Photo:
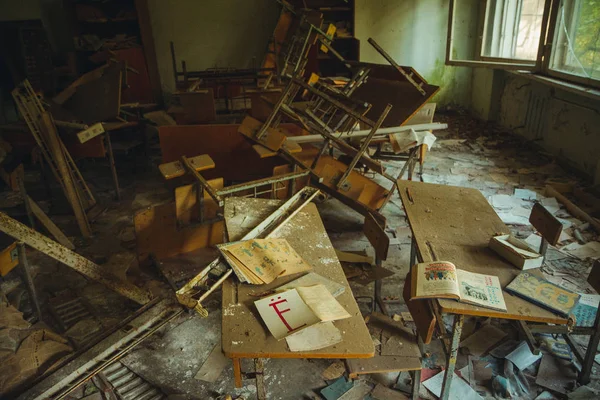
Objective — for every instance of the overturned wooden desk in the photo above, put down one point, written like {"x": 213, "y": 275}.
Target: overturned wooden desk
{"x": 455, "y": 224}
{"x": 243, "y": 333}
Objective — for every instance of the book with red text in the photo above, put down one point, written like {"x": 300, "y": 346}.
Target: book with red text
{"x": 441, "y": 279}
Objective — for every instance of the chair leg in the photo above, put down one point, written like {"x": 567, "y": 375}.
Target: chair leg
{"x": 588, "y": 361}
{"x": 452, "y": 355}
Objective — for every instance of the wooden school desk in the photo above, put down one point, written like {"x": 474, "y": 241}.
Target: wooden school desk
{"x": 455, "y": 224}
{"x": 244, "y": 334}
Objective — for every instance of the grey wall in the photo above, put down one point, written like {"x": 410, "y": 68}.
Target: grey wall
{"x": 414, "y": 33}
{"x": 563, "y": 123}
{"x": 210, "y": 33}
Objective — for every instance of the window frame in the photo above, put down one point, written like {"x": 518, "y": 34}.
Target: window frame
{"x": 541, "y": 65}
{"x": 547, "y": 61}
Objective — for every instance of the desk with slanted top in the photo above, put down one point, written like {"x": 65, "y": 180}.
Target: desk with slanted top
{"x": 455, "y": 224}
{"x": 244, "y": 334}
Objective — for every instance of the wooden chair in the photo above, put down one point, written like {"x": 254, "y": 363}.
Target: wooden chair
{"x": 550, "y": 228}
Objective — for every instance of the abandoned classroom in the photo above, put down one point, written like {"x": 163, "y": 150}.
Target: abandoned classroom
{"x": 299, "y": 199}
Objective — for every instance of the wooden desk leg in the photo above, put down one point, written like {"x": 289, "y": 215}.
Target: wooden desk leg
{"x": 531, "y": 342}
{"x": 237, "y": 372}
{"x": 588, "y": 361}
{"x": 113, "y": 168}
{"x": 413, "y": 253}
{"x": 451, "y": 361}
{"x": 416, "y": 386}
{"x": 261, "y": 393}
{"x": 377, "y": 300}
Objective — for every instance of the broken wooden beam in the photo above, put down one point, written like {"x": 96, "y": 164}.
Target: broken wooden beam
{"x": 71, "y": 259}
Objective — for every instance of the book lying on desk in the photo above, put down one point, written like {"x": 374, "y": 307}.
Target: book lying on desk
{"x": 538, "y": 290}
{"x": 441, "y": 279}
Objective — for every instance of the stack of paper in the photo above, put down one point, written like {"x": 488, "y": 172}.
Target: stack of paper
{"x": 260, "y": 261}
{"x": 291, "y": 311}
{"x": 516, "y": 251}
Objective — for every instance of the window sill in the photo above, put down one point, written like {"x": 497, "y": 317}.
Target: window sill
{"x": 560, "y": 84}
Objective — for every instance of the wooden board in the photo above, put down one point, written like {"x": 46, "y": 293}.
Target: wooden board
{"x": 263, "y": 152}
{"x": 160, "y": 118}
{"x": 261, "y": 109}
{"x": 381, "y": 364}
{"x": 244, "y": 334}
{"x": 545, "y": 223}
{"x": 455, "y": 224}
{"x": 273, "y": 138}
{"x": 377, "y": 236}
{"x": 8, "y": 256}
{"x": 175, "y": 169}
{"x": 157, "y": 233}
{"x": 198, "y": 107}
{"x": 362, "y": 189}
{"x": 186, "y": 200}
{"x": 98, "y": 99}
{"x": 232, "y": 153}
{"x": 386, "y": 86}
{"x": 420, "y": 312}
{"x": 49, "y": 225}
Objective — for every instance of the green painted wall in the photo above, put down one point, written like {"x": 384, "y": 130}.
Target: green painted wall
{"x": 414, "y": 32}
{"x": 211, "y": 33}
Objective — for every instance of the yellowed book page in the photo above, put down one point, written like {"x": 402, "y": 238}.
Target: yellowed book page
{"x": 479, "y": 289}
{"x": 322, "y": 303}
{"x": 437, "y": 279}
{"x": 268, "y": 258}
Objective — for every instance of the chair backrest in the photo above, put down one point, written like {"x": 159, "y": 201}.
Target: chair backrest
{"x": 594, "y": 276}
{"x": 546, "y": 224}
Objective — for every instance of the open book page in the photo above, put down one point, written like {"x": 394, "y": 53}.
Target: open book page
{"x": 435, "y": 279}
{"x": 517, "y": 246}
{"x": 322, "y": 303}
{"x": 482, "y": 290}
{"x": 285, "y": 313}
{"x": 267, "y": 259}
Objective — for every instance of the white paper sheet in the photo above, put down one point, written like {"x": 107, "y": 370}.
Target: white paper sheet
{"x": 525, "y": 194}
{"x": 588, "y": 250}
{"x": 522, "y": 357}
{"x": 459, "y": 389}
{"x": 285, "y": 312}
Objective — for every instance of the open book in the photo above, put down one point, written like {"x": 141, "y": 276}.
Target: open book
{"x": 441, "y": 279}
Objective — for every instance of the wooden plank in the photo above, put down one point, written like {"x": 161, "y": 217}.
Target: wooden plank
{"x": 306, "y": 234}
{"x": 157, "y": 233}
{"x": 385, "y": 86}
{"x": 98, "y": 99}
{"x": 8, "y": 258}
{"x": 377, "y": 236}
{"x": 572, "y": 208}
{"x": 73, "y": 260}
{"x": 49, "y": 225}
{"x": 263, "y": 152}
{"x": 381, "y": 364}
{"x": 421, "y": 313}
{"x": 455, "y": 224}
{"x": 423, "y": 116}
{"x": 90, "y": 133}
{"x": 362, "y": 189}
{"x": 198, "y": 107}
{"x": 175, "y": 169}
{"x": 273, "y": 138}
{"x": 232, "y": 153}
{"x": 186, "y": 202}
{"x": 545, "y": 223}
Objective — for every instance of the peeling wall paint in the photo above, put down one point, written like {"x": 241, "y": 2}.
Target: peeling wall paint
{"x": 414, "y": 33}
{"x": 563, "y": 123}
{"x": 211, "y": 33}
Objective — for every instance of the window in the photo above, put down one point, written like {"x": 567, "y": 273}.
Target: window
{"x": 559, "y": 38}
{"x": 576, "y": 44}
{"x": 512, "y": 29}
